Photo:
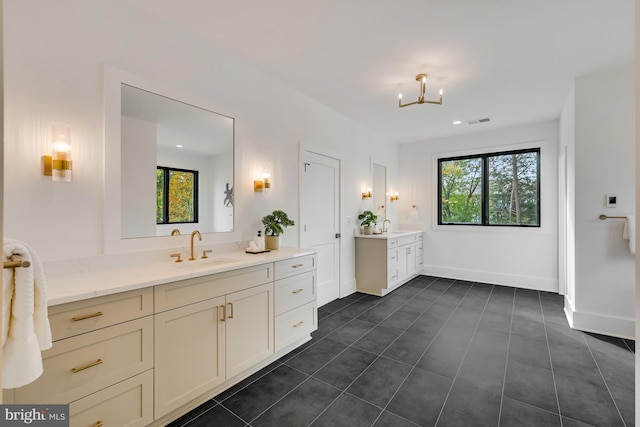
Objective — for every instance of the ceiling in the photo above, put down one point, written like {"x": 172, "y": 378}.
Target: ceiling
{"x": 512, "y": 61}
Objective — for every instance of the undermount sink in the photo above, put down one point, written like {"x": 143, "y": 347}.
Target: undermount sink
{"x": 207, "y": 262}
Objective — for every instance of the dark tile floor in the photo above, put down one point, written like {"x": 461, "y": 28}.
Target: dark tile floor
{"x": 438, "y": 352}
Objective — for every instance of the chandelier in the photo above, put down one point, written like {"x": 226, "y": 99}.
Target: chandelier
{"x": 422, "y": 79}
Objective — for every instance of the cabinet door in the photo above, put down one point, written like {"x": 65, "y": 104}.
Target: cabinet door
{"x": 189, "y": 352}
{"x": 411, "y": 259}
{"x": 402, "y": 263}
{"x": 249, "y": 328}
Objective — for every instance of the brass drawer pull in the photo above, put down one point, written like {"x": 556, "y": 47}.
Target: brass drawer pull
{"x": 298, "y": 324}
{"x": 90, "y": 365}
{"x": 297, "y": 291}
{"x": 230, "y": 310}
{"x": 98, "y": 424}
{"x": 224, "y": 312}
{"x": 297, "y": 265}
{"x": 88, "y": 316}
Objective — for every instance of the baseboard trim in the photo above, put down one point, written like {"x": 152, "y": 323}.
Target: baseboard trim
{"x": 347, "y": 287}
{"x": 517, "y": 281}
{"x": 599, "y": 324}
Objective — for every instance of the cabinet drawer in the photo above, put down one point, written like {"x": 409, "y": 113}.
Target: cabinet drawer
{"x": 127, "y": 404}
{"x": 420, "y": 263}
{"x": 295, "y": 325}
{"x": 392, "y": 258}
{"x": 295, "y": 291}
{"x": 392, "y": 275}
{"x": 76, "y": 318}
{"x": 185, "y": 292}
{"x": 81, "y": 365}
{"x": 293, "y": 266}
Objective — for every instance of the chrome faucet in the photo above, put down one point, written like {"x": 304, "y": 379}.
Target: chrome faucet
{"x": 191, "y": 257}
{"x": 384, "y": 230}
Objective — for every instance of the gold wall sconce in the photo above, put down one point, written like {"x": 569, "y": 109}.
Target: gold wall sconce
{"x": 394, "y": 197}
{"x": 58, "y": 165}
{"x": 264, "y": 184}
{"x": 366, "y": 194}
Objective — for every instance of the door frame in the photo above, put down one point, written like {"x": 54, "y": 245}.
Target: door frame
{"x": 302, "y": 147}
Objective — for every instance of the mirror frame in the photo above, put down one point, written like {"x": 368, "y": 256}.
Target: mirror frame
{"x": 113, "y": 243}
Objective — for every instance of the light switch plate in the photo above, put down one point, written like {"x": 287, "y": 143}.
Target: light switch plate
{"x": 611, "y": 200}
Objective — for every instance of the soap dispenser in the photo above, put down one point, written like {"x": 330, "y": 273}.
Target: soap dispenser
{"x": 259, "y": 240}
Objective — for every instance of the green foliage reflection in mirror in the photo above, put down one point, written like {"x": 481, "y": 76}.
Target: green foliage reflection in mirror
{"x": 176, "y": 195}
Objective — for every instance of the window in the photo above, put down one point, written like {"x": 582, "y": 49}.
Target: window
{"x": 501, "y": 189}
{"x": 176, "y": 195}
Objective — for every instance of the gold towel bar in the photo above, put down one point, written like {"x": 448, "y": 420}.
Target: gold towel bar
{"x": 603, "y": 216}
{"x": 16, "y": 261}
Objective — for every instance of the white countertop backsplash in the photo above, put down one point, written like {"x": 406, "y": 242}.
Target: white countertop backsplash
{"x": 79, "y": 279}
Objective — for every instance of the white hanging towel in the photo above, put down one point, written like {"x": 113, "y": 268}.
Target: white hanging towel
{"x": 25, "y": 322}
{"x": 629, "y": 232}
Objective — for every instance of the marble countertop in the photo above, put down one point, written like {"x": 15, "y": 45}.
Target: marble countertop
{"x": 81, "y": 282}
{"x": 389, "y": 234}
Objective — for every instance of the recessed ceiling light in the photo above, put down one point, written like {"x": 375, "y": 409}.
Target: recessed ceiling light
{"x": 178, "y": 145}
{"x": 457, "y": 122}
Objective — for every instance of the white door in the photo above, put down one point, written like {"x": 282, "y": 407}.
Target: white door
{"x": 320, "y": 219}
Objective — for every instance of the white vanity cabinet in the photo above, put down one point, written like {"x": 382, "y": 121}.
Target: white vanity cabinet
{"x": 384, "y": 262}
{"x": 103, "y": 348}
{"x": 145, "y": 357}
{"x": 199, "y": 345}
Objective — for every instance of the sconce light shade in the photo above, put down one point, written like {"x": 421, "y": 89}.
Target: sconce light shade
{"x": 366, "y": 194}
{"x": 394, "y": 197}
{"x": 266, "y": 176}
{"x": 58, "y": 165}
{"x": 413, "y": 212}
{"x": 264, "y": 184}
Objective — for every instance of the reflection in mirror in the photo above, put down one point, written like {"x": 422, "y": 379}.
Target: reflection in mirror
{"x": 379, "y": 191}
{"x": 160, "y": 133}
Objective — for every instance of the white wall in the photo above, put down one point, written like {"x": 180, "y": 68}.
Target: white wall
{"x": 54, "y": 56}
{"x": 507, "y": 255}
{"x": 138, "y": 154}
{"x": 604, "y": 157}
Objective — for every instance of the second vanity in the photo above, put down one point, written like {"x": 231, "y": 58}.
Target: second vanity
{"x": 143, "y": 346}
{"x": 388, "y": 260}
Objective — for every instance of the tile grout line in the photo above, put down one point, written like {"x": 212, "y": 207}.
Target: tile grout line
{"x": 378, "y": 356}
{"x": 309, "y": 376}
{"x": 603, "y": 379}
{"x": 422, "y": 354}
{"x": 506, "y": 365}
{"x": 553, "y": 374}
{"x": 466, "y": 351}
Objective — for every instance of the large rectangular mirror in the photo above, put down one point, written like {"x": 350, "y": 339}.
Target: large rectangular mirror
{"x": 379, "y": 190}
{"x": 176, "y": 166}
{"x": 145, "y": 120}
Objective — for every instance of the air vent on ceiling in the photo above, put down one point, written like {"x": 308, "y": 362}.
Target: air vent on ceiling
{"x": 475, "y": 122}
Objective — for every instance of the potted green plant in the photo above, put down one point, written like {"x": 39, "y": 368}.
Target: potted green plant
{"x": 274, "y": 225}
{"x": 367, "y": 219}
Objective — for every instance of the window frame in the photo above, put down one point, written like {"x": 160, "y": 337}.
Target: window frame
{"x": 166, "y": 171}
{"x": 484, "y": 199}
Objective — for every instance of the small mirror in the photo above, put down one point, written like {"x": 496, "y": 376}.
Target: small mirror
{"x": 379, "y": 191}
{"x": 176, "y": 166}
